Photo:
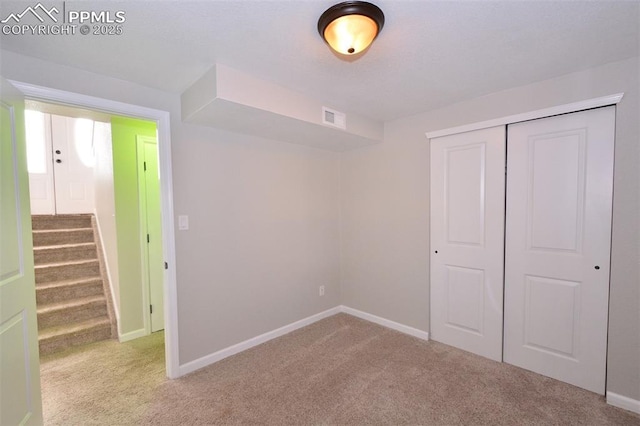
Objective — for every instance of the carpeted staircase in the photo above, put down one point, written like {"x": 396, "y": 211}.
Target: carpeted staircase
{"x": 70, "y": 294}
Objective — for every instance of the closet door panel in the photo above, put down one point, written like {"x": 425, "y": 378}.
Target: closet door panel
{"x": 558, "y": 230}
{"x": 467, "y": 229}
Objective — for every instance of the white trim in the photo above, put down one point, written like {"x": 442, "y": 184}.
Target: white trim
{"x": 77, "y": 99}
{"x": 163, "y": 119}
{"x": 386, "y": 323}
{"x": 116, "y": 308}
{"x": 623, "y": 402}
{"x": 18, "y": 191}
{"x": 247, "y": 344}
{"x": 254, "y": 341}
{"x": 135, "y": 334}
{"x": 532, "y": 115}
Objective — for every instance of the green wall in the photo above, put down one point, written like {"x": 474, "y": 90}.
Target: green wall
{"x": 125, "y": 180}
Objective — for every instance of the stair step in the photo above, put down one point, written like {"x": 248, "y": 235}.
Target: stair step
{"x": 72, "y": 306}
{"x": 63, "y": 253}
{"x": 63, "y": 221}
{"x": 58, "y": 338}
{"x": 63, "y": 291}
{"x": 55, "y": 237}
{"x": 67, "y": 271}
{"x": 55, "y": 314}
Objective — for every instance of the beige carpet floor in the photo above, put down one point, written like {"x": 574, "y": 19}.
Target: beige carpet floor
{"x": 338, "y": 371}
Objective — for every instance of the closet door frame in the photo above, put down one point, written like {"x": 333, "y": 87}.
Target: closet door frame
{"x": 531, "y": 115}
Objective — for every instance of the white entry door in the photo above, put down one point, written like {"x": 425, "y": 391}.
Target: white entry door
{"x": 20, "y": 401}
{"x": 73, "y": 162}
{"x": 558, "y": 230}
{"x": 61, "y": 160}
{"x": 467, "y": 240}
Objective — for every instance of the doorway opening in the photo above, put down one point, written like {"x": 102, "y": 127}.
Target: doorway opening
{"x": 161, "y": 120}
{"x": 103, "y": 170}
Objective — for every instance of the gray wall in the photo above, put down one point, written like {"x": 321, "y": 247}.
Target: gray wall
{"x": 385, "y": 209}
{"x": 264, "y": 219}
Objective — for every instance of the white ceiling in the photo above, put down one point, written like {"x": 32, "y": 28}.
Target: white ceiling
{"x": 429, "y": 54}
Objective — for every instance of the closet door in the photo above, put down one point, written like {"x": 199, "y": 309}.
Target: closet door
{"x": 558, "y": 231}
{"x": 467, "y": 238}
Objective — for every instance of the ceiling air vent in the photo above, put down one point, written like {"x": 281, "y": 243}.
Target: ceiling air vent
{"x": 334, "y": 118}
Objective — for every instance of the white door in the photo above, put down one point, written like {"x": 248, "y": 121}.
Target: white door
{"x": 467, "y": 240}
{"x": 20, "y": 401}
{"x": 73, "y": 162}
{"x": 40, "y": 162}
{"x": 151, "y": 224}
{"x": 558, "y": 230}
{"x": 60, "y": 159}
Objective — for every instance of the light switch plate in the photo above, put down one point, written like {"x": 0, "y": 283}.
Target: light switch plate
{"x": 183, "y": 222}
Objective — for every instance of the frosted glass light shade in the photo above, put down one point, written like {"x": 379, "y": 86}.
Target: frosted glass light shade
{"x": 350, "y": 27}
{"x": 350, "y": 34}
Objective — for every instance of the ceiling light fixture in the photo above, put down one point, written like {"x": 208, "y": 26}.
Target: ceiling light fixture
{"x": 350, "y": 27}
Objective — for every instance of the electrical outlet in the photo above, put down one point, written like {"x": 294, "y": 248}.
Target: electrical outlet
{"x": 321, "y": 290}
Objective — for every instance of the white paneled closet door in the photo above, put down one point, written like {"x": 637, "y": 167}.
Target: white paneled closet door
{"x": 467, "y": 239}
{"x": 558, "y": 230}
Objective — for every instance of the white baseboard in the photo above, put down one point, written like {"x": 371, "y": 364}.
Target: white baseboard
{"x": 386, "y": 323}
{"x": 623, "y": 402}
{"x": 131, "y": 335}
{"x": 247, "y": 344}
